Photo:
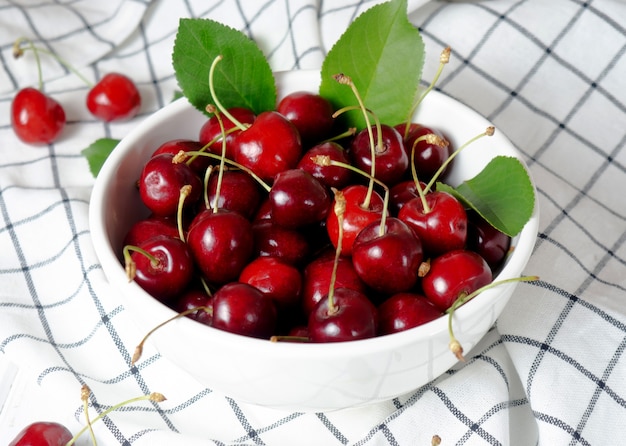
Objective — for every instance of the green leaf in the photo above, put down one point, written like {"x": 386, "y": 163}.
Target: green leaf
{"x": 502, "y": 193}
{"x": 243, "y": 78}
{"x": 383, "y": 54}
{"x": 98, "y": 152}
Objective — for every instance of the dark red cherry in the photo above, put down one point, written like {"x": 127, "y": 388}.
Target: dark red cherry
{"x": 387, "y": 259}
{"x": 36, "y": 118}
{"x": 453, "y": 274}
{"x": 242, "y": 309}
{"x": 492, "y": 244}
{"x": 269, "y": 146}
{"x": 271, "y": 240}
{"x": 391, "y": 160}
{"x": 354, "y": 317}
{"x": 330, "y": 176}
{"x": 298, "y": 199}
{"x": 174, "y": 146}
{"x": 150, "y": 227}
{"x": 169, "y": 272}
{"x": 42, "y": 433}
{"x": 239, "y": 192}
{"x": 442, "y": 227}
{"x": 194, "y": 298}
{"x": 115, "y": 97}
{"x": 276, "y": 279}
{"x": 211, "y": 132}
{"x": 221, "y": 244}
{"x": 401, "y": 193}
{"x": 161, "y": 181}
{"x": 310, "y": 113}
{"x": 403, "y": 311}
{"x": 428, "y": 157}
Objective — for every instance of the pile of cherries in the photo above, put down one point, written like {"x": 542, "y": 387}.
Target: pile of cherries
{"x": 269, "y": 226}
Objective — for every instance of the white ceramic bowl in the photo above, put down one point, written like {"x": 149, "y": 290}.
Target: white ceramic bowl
{"x": 293, "y": 376}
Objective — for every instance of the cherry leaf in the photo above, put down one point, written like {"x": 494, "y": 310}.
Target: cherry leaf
{"x": 502, "y": 193}
{"x": 97, "y": 153}
{"x": 243, "y": 78}
{"x": 383, "y": 53}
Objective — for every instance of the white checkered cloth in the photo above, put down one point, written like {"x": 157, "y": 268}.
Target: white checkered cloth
{"x": 550, "y": 74}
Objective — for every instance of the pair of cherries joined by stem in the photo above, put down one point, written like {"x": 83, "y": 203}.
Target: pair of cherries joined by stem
{"x": 320, "y": 243}
{"x": 37, "y": 118}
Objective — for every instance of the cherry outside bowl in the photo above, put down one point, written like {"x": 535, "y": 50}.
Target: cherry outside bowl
{"x": 294, "y": 376}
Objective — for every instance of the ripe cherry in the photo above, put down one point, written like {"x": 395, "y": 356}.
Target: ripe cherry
{"x": 330, "y": 176}
{"x": 150, "y": 227}
{"x": 239, "y": 192}
{"x": 453, "y": 274}
{"x": 272, "y": 240}
{"x": 310, "y": 113}
{"x": 161, "y": 181}
{"x": 441, "y": 226}
{"x": 199, "y": 164}
{"x": 164, "y": 266}
{"x": 405, "y": 310}
{"x": 221, "y": 244}
{"x": 115, "y": 97}
{"x": 356, "y": 217}
{"x": 350, "y": 317}
{"x": 428, "y": 157}
{"x": 269, "y": 146}
{"x": 241, "y": 308}
{"x": 387, "y": 259}
{"x": 194, "y": 298}
{"x": 298, "y": 199}
{"x": 276, "y": 279}
{"x": 391, "y": 160}
{"x": 401, "y": 193}
{"x": 492, "y": 244}
{"x": 36, "y": 118}
{"x": 211, "y": 131}
{"x": 42, "y": 433}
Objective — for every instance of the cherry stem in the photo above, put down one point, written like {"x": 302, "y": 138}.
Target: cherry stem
{"x": 325, "y": 160}
{"x": 130, "y": 266}
{"x": 184, "y": 193}
{"x": 218, "y": 104}
{"x": 154, "y": 397}
{"x": 207, "y": 178}
{"x": 139, "y": 349}
{"x": 350, "y": 132}
{"x": 220, "y": 173}
{"x": 431, "y": 138}
{"x": 279, "y": 338}
{"x": 455, "y": 345}
{"x": 210, "y": 143}
{"x": 488, "y": 132}
{"x": 17, "y": 52}
{"x": 444, "y": 58}
{"x": 85, "y": 391}
{"x": 346, "y": 80}
{"x": 340, "y": 210}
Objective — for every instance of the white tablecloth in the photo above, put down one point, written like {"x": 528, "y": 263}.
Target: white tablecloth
{"x": 550, "y": 74}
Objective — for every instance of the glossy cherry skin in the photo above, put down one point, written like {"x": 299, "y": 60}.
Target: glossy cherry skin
{"x": 221, "y": 243}
{"x": 391, "y": 159}
{"x": 211, "y": 132}
{"x": 298, "y": 199}
{"x": 454, "y": 274}
{"x": 242, "y": 309}
{"x": 330, "y": 176}
{"x": 239, "y": 192}
{"x": 310, "y": 113}
{"x": 428, "y": 157}
{"x": 43, "y": 433}
{"x": 172, "y": 272}
{"x": 401, "y": 193}
{"x": 36, "y": 118}
{"x": 276, "y": 279}
{"x": 272, "y": 240}
{"x": 115, "y": 97}
{"x": 150, "y": 227}
{"x": 355, "y": 218}
{"x": 161, "y": 181}
{"x": 387, "y": 262}
{"x": 355, "y": 317}
{"x": 316, "y": 279}
{"x": 174, "y": 146}
{"x": 492, "y": 244}
{"x": 269, "y": 146}
{"x": 195, "y": 298}
{"x": 443, "y": 228}
{"x": 403, "y": 311}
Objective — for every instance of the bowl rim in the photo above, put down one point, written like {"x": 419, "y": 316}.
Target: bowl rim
{"x": 524, "y": 246}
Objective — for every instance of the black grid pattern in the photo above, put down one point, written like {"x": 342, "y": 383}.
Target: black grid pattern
{"x": 549, "y": 74}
